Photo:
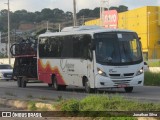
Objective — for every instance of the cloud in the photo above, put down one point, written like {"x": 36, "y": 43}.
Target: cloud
{"x": 65, "y": 5}
{"x": 30, "y": 5}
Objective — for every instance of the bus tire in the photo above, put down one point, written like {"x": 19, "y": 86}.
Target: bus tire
{"x": 50, "y": 85}
{"x": 62, "y": 87}
{"x": 24, "y": 82}
{"x": 87, "y": 87}
{"x": 55, "y": 84}
{"x": 19, "y": 82}
{"x": 128, "y": 89}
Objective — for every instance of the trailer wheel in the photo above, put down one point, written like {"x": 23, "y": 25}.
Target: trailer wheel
{"x": 19, "y": 82}
{"x": 128, "y": 89}
{"x": 24, "y": 82}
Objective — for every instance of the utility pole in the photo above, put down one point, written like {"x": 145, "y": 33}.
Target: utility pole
{"x": 9, "y": 56}
{"x": 0, "y": 37}
{"x": 59, "y": 27}
{"x": 74, "y": 13}
{"x": 148, "y": 25}
{"x": 47, "y": 26}
{"x": 102, "y": 10}
{"x": 108, "y": 14}
{"x": 100, "y": 13}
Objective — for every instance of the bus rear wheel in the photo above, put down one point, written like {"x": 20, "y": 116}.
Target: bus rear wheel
{"x": 55, "y": 84}
{"x": 50, "y": 85}
{"x": 128, "y": 89}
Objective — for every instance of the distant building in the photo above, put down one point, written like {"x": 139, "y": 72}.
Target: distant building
{"x": 26, "y": 27}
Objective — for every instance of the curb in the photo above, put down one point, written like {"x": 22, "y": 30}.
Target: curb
{"x": 22, "y": 104}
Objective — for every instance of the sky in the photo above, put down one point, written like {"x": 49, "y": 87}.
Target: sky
{"x": 67, "y": 5}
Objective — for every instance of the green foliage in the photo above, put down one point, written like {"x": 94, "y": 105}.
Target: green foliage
{"x": 41, "y": 31}
{"x": 153, "y": 63}
{"x": 93, "y": 103}
{"x": 60, "y": 98}
{"x": 70, "y": 105}
{"x": 52, "y": 15}
{"x": 122, "y": 118}
{"x": 151, "y": 78}
{"x": 29, "y": 96}
{"x": 2, "y": 55}
{"x": 100, "y": 103}
{"x": 32, "y": 105}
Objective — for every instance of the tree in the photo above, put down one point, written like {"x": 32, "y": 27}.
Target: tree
{"x": 69, "y": 15}
{"x": 59, "y": 15}
{"x": 123, "y": 8}
{"x": 84, "y": 12}
{"x": 4, "y": 20}
{"x": 52, "y": 15}
{"x": 95, "y": 12}
{"x": 47, "y": 14}
{"x": 114, "y": 8}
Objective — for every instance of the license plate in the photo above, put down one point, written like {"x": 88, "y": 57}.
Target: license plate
{"x": 122, "y": 86}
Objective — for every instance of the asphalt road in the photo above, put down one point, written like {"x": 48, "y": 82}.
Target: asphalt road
{"x": 9, "y": 89}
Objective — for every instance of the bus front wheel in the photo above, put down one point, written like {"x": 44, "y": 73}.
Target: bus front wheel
{"x": 128, "y": 89}
{"x": 88, "y": 89}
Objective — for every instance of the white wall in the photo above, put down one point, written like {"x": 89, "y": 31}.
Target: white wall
{"x": 6, "y": 61}
{"x": 155, "y": 69}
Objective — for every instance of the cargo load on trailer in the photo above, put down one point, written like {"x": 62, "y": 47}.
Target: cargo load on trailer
{"x": 25, "y": 65}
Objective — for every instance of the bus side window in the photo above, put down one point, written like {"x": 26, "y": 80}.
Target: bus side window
{"x": 67, "y": 45}
{"x": 77, "y": 46}
{"x": 42, "y": 47}
{"x": 86, "y": 41}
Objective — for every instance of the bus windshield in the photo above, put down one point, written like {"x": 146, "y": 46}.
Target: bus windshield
{"x": 118, "y": 48}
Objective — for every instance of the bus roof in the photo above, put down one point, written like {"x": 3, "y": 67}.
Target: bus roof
{"x": 82, "y": 30}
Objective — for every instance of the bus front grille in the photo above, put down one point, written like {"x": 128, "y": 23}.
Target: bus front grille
{"x": 115, "y": 75}
{"x": 128, "y": 74}
{"x": 121, "y": 82}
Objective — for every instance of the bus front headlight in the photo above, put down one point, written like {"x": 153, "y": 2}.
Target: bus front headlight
{"x": 100, "y": 72}
{"x": 140, "y": 71}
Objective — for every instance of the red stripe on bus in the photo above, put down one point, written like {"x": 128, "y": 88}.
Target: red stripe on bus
{"x": 45, "y": 71}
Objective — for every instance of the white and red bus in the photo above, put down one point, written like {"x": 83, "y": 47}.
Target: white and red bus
{"x": 92, "y": 58}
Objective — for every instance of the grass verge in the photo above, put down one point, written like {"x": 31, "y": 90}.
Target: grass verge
{"x": 102, "y": 106}
{"x": 153, "y": 63}
{"x": 152, "y": 79}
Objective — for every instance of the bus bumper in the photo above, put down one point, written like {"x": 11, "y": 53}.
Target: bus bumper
{"x": 106, "y": 82}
